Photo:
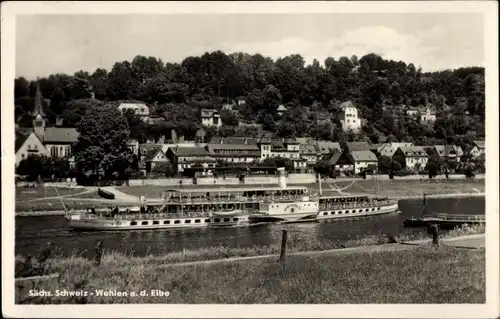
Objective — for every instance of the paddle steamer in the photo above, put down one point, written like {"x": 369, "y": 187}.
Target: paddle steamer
{"x": 222, "y": 207}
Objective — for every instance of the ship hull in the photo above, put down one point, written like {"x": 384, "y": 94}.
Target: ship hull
{"x": 357, "y": 212}
{"x": 99, "y": 224}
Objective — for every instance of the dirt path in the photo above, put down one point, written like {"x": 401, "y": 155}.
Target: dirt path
{"x": 468, "y": 242}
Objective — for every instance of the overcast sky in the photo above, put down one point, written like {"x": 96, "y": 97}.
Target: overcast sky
{"x": 48, "y": 44}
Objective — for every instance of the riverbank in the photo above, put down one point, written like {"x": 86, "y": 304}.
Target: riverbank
{"x": 409, "y": 275}
{"x": 400, "y": 189}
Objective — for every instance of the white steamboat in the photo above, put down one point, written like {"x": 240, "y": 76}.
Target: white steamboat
{"x": 222, "y": 207}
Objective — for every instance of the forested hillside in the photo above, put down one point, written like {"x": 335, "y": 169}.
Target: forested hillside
{"x": 382, "y": 89}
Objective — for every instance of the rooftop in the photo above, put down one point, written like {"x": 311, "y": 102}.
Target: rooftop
{"x": 363, "y": 156}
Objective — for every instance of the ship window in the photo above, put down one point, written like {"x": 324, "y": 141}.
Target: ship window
{"x": 133, "y": 223}
{"x": 360, "y": 210}
{"x": 207, "y": 220}
{"x": 177, "y": 222}
{"x": 353, "y": 211}
{"x": 155, "y": 222}
{"x": 226, "y": 219}
{"x": 217, "y": 220}
{"x": 166, "y": 222}
{"x": 197, "y": 221}
{"x": 325, "y": 213}
{"x": 366, "y": 210}
{"x": 144, "y": 222}
{"x": 373, "y": 209}
{"x": 235, "y": 219}
{"x": 378, "y": 208}
{"x": 292, "y": 210}
{"x": 187, "y": 221}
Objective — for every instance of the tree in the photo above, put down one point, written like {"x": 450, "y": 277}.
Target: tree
{"x": 102, "y": 143}
{"x": 164, "y": 168}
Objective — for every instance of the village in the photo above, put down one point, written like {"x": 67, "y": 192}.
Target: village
{"x": 254, "y": 155}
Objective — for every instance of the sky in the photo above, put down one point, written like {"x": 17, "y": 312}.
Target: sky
{"x": 47, "y": 44}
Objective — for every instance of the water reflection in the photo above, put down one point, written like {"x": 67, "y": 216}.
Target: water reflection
{"x": 33, "y": 232}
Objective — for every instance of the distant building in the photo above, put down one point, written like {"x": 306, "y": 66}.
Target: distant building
{"x": 342, "y": 162}
{"x": 411, "y": 157}
{"x": 363, "y": 160}
{"x": 349, "y": 117}
{"x": 427, "y": 116}
{"x": 210, "y": 117}
{"x": 388, "y": 149}
{"x": 234, "y": 150}
{"x": 154, "y": 157}
{"x": 282, "y": 109}
{"x": 56, "y": 140}
{"x": 326, "y": 148}
{"x": 240, "y": 100}
{"x": 29, "y": 144}
{"x": 140, "y": 109}
{"x": 194, "y": 159}
{"x": 133, "y": 145}
{"x": 477, "y": 149}
{"x": 452, "y": 153}
{"x": 356, "y": 146}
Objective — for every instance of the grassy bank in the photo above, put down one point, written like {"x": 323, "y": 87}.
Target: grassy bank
{"x": 421, "y": 275}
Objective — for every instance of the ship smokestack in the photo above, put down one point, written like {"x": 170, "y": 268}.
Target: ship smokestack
{"x": 281, "y": 177}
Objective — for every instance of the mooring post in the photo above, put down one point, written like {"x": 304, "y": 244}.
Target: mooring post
{"x": 98, "y": 252}
{"x": 283, "y": 246}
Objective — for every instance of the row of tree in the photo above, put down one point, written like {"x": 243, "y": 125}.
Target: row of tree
{"x": 177, "y": 91}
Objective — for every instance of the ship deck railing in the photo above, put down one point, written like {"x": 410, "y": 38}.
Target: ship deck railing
{"x": 459, "y": 218}
{"x": 357, "y": 205}
{"x": 232, "y": 200}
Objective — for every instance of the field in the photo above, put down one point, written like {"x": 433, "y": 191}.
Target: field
{"x": 419, "y": 275}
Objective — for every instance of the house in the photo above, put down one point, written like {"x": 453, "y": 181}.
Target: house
{"x": 413, "y": 112}
{"x": 451, "y": 153}
{"x": 388, "y": 149}
{"x": 140, "y": 109}
{"x": 281, "y": 109}
{"x": 56, "y": 140}
{"x": 234, "y": 150}
{"x": 341, "y": 162}
{"x": 349, "y": 117}
{"x": 154, "y": 157}
{"x": 477, "y": 149}
{"x": 323, "y": 118}
{"x": 356, "y": 146}
{"x": 427, "y": 116}
{"x": 191, "y": 159}
{"x": 326, "y": 148}
{"x": 240, "y": 100}
{"x": 133, "y": 146}
{"x": 284, "y": 148}
{"x": 309, "y": 153}
{"x": 29, "y": 144}
{"x": 210, "y": 117}
{"x": 363, "y": 160}
{"x": 412, "y": 157}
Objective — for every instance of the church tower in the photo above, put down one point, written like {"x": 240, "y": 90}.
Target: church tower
{"x": 39, "y": 115}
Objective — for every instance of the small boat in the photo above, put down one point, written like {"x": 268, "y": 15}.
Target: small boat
{"x": 105, "y": 194}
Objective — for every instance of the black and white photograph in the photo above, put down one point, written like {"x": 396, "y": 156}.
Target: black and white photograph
{"x": 290, "y": 158}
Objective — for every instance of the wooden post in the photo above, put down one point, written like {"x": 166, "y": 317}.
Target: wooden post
{"x": 283, "y": 246}
{"x": 98, "y": 252}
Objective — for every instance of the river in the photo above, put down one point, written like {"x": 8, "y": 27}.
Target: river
{"x": 33, "y": 232}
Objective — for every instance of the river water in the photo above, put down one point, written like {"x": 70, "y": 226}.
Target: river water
{"x": 33, "y": 232}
